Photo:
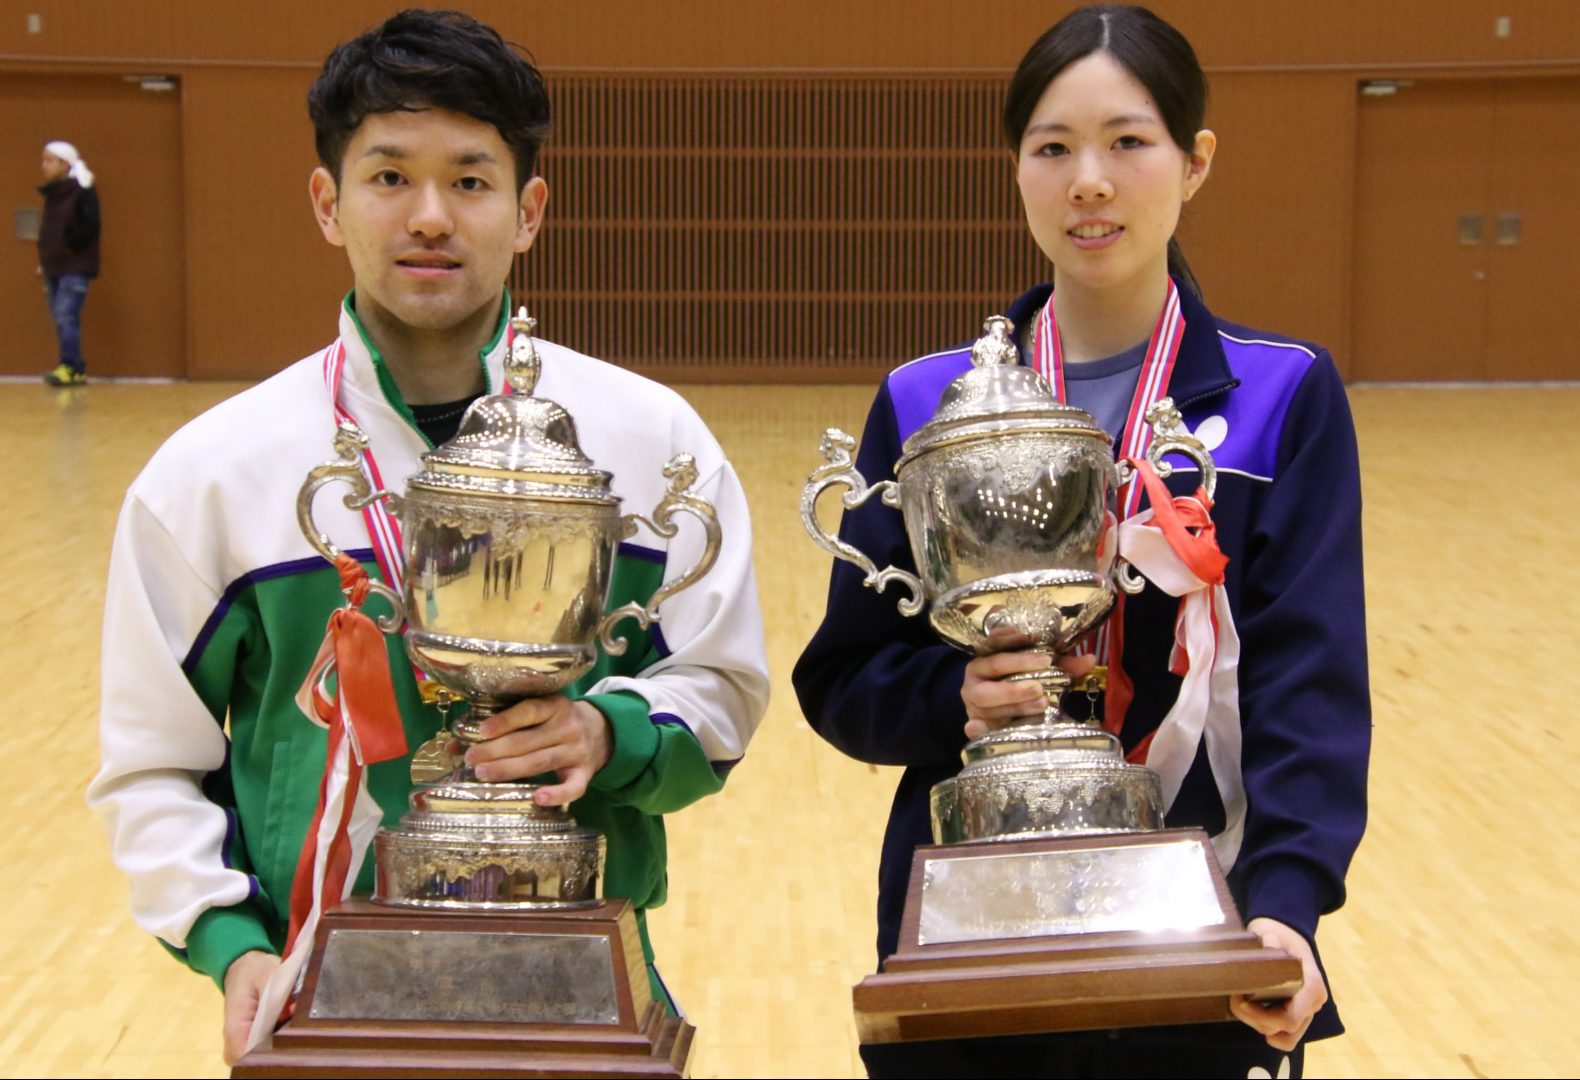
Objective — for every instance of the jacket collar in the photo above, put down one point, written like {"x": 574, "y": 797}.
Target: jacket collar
{"x": 368, "y": 376}
{"x": 1201, "y": 370}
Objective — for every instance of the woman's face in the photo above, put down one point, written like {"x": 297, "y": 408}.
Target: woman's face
{"x": 1101, "y": 179}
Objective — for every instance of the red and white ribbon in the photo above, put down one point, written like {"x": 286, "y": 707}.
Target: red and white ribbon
{"x": 1151, "y": 386}
{"x": 1174, "y": 543}
{"x": 349, "y": 693}
{"x": 383, "y": 528}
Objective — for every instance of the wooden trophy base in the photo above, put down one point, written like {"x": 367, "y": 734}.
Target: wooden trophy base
{"x": 1022, "y": 936}
{"x": 394, "y": 992}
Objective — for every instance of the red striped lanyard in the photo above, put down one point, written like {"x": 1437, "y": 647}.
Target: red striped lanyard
{"x": 383, "y": 529}
{"x": 1152, "y": 385}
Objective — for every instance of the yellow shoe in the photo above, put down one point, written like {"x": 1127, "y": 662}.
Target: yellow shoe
{"x": 65, "y": 375}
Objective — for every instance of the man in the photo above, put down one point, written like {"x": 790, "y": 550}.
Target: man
{"x": 68, "y": 253}
{"x": 428, "y": 129}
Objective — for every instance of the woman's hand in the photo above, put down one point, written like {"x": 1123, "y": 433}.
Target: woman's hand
{"x": 1284, "y": 1023}
{"x": 990, "y": 701}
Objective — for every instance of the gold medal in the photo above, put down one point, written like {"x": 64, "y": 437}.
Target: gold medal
{"x": 433, "y": 761}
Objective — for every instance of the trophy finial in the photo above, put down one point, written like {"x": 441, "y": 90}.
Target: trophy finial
{"x": 522, "y": 365}
{"x": 995, "y": 346}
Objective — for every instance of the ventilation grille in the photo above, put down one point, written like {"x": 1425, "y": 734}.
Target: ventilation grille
{"x": 768, "y": 229}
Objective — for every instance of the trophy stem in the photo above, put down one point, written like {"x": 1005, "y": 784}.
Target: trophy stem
{"x": 1055, "y": 681}
{"x": 468, "y": 726}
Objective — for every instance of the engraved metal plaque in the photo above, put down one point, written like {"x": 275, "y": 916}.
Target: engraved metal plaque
{"x": 475, "y": 976}
{"x": 28, "y": 221}
{"x": 1165, "y": 886}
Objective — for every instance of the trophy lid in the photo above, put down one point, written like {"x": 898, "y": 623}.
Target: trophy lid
{"x": 999, "y": 395}
{"x": 516, "y": 444}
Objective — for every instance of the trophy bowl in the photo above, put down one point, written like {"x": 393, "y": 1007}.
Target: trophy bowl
{"x": 509, "y": 541}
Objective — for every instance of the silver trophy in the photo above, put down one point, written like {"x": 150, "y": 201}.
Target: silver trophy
{"x": 510, "y": 535}
{"x": 516, "y": 966}
{"x": 1008, "y": 496}
{"x": 1052, "y": 899}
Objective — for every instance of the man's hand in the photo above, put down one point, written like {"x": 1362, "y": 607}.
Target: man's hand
{"x": 1284, "y": 1023}
{"x": 990, "y": 702}
{"x": 244, "y": 981}
{"x": 539, "y": 735}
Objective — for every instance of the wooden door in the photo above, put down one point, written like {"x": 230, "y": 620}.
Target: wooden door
{"x": 1467, "y": 230}
{"x": 1422, "y": 163}
{"x": 134, "y": 321}
{"x": 1533, "y": 253}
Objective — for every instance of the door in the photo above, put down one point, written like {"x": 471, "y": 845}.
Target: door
{"x": 1533, "y": 243}
{"x": 134, "y": 321}
{"x": 1466, "y": 236}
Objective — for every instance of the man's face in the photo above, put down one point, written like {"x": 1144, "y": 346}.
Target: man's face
{"x": 427, "y": 211}
{"x": 54, "y": 167}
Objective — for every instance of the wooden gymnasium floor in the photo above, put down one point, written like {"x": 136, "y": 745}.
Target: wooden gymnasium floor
{"x": 1458, "y": 955}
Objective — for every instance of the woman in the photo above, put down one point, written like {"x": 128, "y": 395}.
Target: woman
{"x": 1105, "y": 118}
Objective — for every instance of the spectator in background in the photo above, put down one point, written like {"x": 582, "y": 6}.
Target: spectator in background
{"x": 68, "y": 253}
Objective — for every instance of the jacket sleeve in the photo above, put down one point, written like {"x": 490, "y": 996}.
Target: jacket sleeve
{"x": 1306, "y": 706}
{"x": 880, "y": 686}
{"x": 162, "y": 785}
{"x": 83, "y": 228}
{"x": 685, "y": 719}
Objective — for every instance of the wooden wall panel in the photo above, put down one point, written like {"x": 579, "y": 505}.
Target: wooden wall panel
{"x": 134, "y": 321}
{"x": 1266, "y": 235}
{"x": 746, "y": 228}
{"x": 264, "y": 283}
{"x": 726, "y": 34}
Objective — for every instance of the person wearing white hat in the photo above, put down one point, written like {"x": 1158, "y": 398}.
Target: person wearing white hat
{"x": 68, "y": 252}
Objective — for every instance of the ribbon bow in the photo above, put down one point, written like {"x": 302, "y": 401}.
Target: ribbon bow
{"x": 1175, "y": 545}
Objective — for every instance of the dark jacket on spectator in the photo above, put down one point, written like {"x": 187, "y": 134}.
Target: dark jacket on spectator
{"x": 68, "y": 237}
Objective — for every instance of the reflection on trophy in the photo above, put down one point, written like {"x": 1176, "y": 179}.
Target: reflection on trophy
{"x": 1052, "y": 898}
{"x": 510, "y": 536}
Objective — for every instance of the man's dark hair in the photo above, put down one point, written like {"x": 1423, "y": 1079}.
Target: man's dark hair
{"x": 430, "y": 60}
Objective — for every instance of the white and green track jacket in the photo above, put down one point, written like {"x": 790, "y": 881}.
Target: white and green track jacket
{"x": 216, "y": 607}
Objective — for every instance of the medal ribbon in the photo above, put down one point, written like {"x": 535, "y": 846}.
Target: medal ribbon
{"x": 1175, "y": 544}
{"x": 383, "y": 529}
{"x": 1156, "y": 370}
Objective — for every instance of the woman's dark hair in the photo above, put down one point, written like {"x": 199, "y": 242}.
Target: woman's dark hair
{"x": 430, "y": 60}
{"x": 1154, "y": 53}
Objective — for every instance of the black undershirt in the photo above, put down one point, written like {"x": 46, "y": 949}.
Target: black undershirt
{"x": 439, "y": 423}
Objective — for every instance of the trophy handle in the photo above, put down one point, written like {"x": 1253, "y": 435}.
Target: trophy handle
{"x": 1169, "y": 436}
{"x": 347, "y": 468}
{"x": 841, "y": 470}
{"x": 681, "y": 472}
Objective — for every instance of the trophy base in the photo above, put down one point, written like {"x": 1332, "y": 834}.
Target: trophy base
{"x": 1069, "y": 934}
{"x": 396, "y": 993}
